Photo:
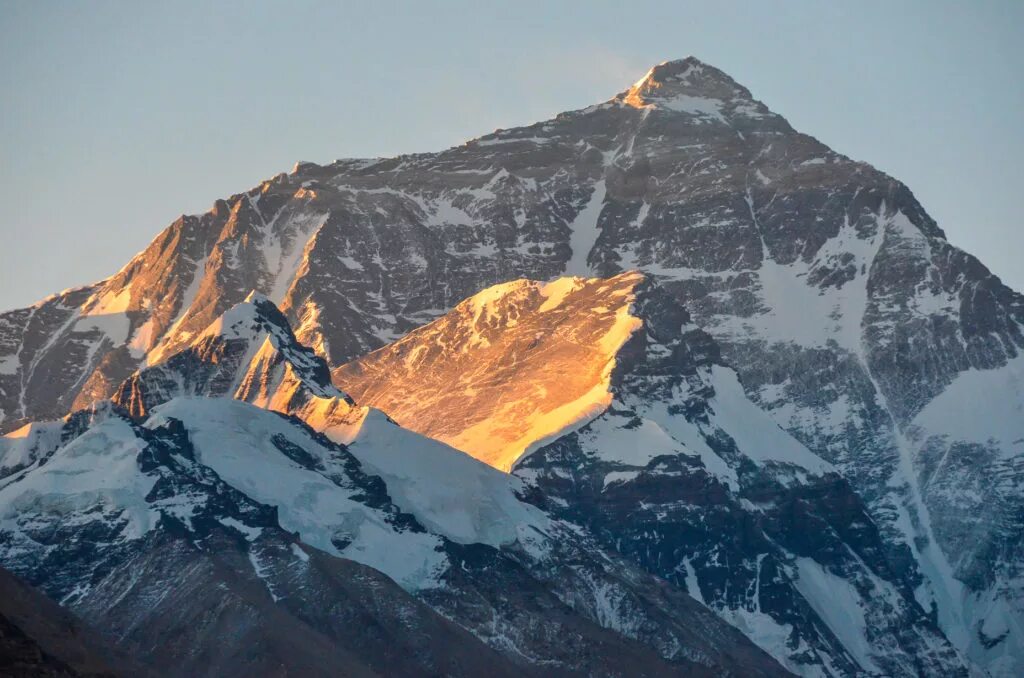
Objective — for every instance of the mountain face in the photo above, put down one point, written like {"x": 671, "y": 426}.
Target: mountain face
{"x": 182, "y": 513}
{"x": 518, "y": 363}
{"x": 667, "y": 461}
{"x": 823, "y": 300}
{"x": 250, "y": 353}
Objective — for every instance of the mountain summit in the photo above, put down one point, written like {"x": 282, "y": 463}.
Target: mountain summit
{"x": 682, "y": 85}
{"x": 842, "y": 313}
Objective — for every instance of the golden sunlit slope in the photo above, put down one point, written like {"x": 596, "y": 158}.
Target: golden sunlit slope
{"x": 516, "y": 364}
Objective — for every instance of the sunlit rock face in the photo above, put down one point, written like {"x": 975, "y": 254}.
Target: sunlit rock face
{"x": 847, "y": 316}
{"x": 249, "y": 353}
{"x": 513, "y": 365}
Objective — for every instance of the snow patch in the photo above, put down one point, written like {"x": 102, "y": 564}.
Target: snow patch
{"x": 9, "y": 364}
{"x": 250, "y": 533}
{"x": 141, "y": 340}
{"x": 584, "y": 232}
{"x": 838, "y": 604}
{"x": 755, "y": 432}
{"x": 447, "y": 490}
{"x": 700, "y": 107}
{"x": 556, "y": 291}
{"x": 114, "y": 325}
{"x": 983, "y": 406}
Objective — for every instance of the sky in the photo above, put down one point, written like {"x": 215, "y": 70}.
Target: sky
{"x": 117, "y": 117}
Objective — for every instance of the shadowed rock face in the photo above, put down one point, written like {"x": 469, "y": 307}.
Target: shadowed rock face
{"x": 839, "y": 303}
{"x": 40, "y": 638}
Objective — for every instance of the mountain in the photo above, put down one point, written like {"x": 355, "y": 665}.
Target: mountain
{"x": 666, "y": 460}
{"x": 188, "y": 513}
{"x": 836, "y": 304}
{"x": 124, "y": 525}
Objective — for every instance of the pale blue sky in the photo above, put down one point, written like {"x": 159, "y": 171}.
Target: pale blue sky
{"x": 118, "y": 116}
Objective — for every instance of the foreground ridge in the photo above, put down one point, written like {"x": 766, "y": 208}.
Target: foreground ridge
{"x": 331, "y": 555}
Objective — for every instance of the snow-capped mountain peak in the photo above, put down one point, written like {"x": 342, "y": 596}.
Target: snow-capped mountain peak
{"x": 824, "y": 306}
{"x": 692, "y": 87}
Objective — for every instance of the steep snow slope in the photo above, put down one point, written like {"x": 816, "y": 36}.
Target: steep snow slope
{"x": 448, "y": 492}
{"x": 230, "y": 437}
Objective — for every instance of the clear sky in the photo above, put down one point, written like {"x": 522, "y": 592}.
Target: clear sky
{"x": 116, "y": 117}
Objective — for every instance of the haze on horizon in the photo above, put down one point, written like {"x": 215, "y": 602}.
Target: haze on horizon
{"x": 116, "y": 122}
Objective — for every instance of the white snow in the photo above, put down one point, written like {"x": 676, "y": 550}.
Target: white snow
{"x": 107, "y": 302}
{"x": 509, "y": 140}
{"x": 350, "y": 263}
{"x": 261, "y": 572}
{"x": 701, "y": 107}
{"x": 141, "y": 339}
{"x": 755, "y": 432}
{"x": 770, "y": 636}
{"x": 692, "y": 582}
{"x": 584, "y": 232}
{"x": 97, "y": 470}
{"x": 658, "y": 433}
{"x": 446, "y": 213}
{"x": 235, "y": 440}
{"x": 299, "y": 553}
{"x": 250, "y": 533}
{"x": 838, "y": 604}
{"x": 800, "y": 313}
{"x": 448, "y": 491}
{"x": 9, "y": 364}
{"x": 983, "y": 406}
{"x": 241, "y": 321}
{"x": 23, "y": 446}
{"x": 115, "y": 325}
{"x": 619, "y": 477}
